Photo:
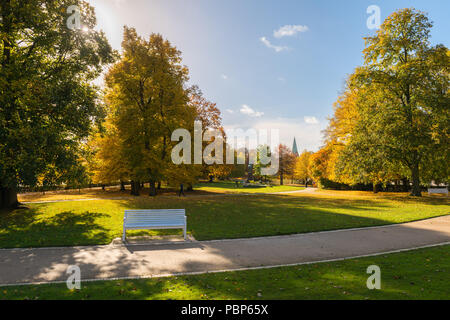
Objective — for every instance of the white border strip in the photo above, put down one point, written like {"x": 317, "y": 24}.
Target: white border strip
{"x": 233, "y": 270}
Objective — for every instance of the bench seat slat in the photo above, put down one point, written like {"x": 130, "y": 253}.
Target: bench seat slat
{"x": 145, "y": 226}
{"x": 159, "y": 223}
{"x": 155, "y": 220}
{"x": 151, "y": 211}
{"x": 159, "y": 219}
{"x": 150, "y": 216}
{"x": 175, "y": 226}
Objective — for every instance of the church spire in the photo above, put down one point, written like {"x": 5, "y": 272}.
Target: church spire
{"x": 294, "y": 148}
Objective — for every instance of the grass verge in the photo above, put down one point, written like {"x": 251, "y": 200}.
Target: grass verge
{"x": 230, "y": 187}
{"x": 417, "y": 274}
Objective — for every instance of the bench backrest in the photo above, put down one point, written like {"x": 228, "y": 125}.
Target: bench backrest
{"x": 155, "y": 216}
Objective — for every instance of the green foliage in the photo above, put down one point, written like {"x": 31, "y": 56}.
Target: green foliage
{"x": 403, "y": 107}
{"x": 325, "y": 183}
{"x": 47, "y": 103}
{"x": 261, "y": 151}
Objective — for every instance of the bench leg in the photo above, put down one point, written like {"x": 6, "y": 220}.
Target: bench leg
{"x": 124, "y": 235}
{"x": 184, "y": 233}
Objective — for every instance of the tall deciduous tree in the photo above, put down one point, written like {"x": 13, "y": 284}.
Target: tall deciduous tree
{"x": 107, "y": 164}
{"x": 148, "y": 99}
{"x": 47, "y": 101}
{"x": 302, "y": 169}
{"x": 406, "y": 80}
{"x": 286, "y": 162}
{"x": 209, "y": 116}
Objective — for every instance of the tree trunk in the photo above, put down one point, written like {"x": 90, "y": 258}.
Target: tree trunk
{"x": 189, "y": 187}
{"x": 134, "y": 188}
{"x": 415, "y": 192}
{"x": 122, "y": 186}
{"x": 281, "y": 179}
{"x": 375, "y": 187}
{"x": 405, "y": 184}
{"x": 159, "y": 185}
{"x": 152, "y": 189}
{"x": 8, "y": 198}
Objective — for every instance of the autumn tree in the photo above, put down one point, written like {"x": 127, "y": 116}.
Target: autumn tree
{"x": 360, "y": 160}
{"x": 148, "y": 99}
{"x": 348, "y": 162}
{"x": 405, "y": 116}
{"x": 286, "y": 162}
{"x": 302, "y": 169}
{"x": 210, "y": 118}
{"x": 107, "y": 164}
{"x": 392, "y": 121}
{"x": 321, "y": 167}
{"x": 47, "y": 102}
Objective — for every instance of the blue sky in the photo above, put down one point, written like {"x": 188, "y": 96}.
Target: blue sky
{"x": 280, "y": 82}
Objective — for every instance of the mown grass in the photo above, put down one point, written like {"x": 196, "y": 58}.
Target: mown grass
{"x": 213, "y": 217}
{"x": 113, "y": 192}
{"x": 418, "y": 274}
{"x": 230, "y": 187}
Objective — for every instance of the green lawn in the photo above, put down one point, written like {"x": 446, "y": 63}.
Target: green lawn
{"x": 230, "y": 187}
{"x": 418, "y": 274}
{"x": 212, "y": 217}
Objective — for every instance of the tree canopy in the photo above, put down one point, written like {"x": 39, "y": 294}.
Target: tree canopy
{"x": 48, "y": 104}
{"x": 392, "y": 121}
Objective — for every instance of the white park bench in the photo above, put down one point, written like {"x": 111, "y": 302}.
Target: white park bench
{"x": 438, "y": 190}
{"x": 154, "y": 219}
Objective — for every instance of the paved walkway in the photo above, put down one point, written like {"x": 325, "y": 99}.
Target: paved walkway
{"x": 118, "y": 261}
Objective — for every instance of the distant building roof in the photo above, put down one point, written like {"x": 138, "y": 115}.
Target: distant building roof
{"x": 294, "y": 148}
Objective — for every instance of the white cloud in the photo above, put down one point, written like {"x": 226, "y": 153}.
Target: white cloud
{"x": 271, "y": 46}
{"x": 311, "y": 120}
{"x": 250, "y": 112}
{"x": 308, "y": 136}
{"x": 289, "y": 30}
{"x": 229, "y": 111}
{"x": 281, "y": 79}
{"x": 224, "y": 76}
{"x": 119, "y": 3}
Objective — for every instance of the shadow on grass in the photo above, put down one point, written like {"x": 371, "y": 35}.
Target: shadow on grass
{"x": 26, "y": 228}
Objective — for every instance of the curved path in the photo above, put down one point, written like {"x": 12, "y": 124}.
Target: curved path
{"x": 22, "y": 266}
